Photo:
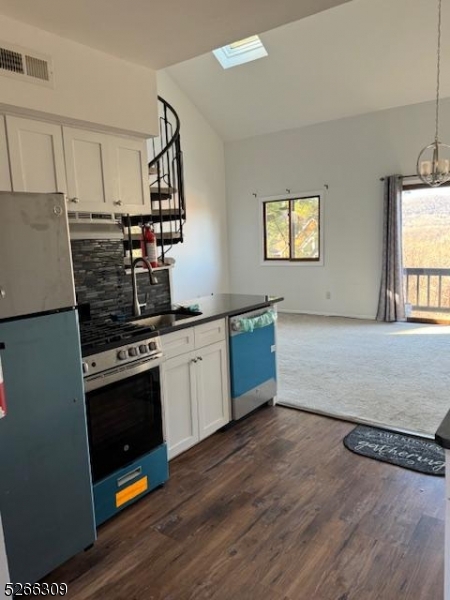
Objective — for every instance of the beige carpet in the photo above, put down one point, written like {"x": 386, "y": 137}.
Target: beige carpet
{"x": 395, "y": 375}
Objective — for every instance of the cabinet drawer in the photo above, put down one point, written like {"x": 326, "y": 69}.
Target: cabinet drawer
{"x": 209, "y": 333}
{"x": 178, "y": 342}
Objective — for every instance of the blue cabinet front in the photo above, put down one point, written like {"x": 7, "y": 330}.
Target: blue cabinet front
{"x": 45, "y": 485}
{"x": 125, "y": 486}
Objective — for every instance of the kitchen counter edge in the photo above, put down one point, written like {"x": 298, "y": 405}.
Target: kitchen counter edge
{"x": 442, "y": 435}
{"x": 213, "y": 315}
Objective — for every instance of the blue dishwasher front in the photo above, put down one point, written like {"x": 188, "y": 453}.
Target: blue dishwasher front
{"x": 252, "y": 361}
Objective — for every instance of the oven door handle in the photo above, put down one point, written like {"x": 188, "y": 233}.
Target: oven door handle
{"x": 129, "y": 476}
{"x": 113, "y": 375}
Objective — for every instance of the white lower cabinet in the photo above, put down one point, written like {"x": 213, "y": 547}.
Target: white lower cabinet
{"x": 212, "y": 389}
{"x": 195, "y": 385}
{"x": 180, "y": 404}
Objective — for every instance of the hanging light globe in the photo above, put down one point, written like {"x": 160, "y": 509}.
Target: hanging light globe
{"x": 433, "y": 163}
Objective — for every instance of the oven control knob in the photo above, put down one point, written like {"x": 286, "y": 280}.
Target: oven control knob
{"x": 143, "y": 349}
{"x": 85, "y": 368}
{"x": 133, "y": 351}
{"x": 122, "y": 355}
{"x": 152, "y": 346}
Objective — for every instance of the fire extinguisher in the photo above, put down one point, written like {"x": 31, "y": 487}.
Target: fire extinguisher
{"x": 149, "y": 239}
{"x": 2, "y": 387}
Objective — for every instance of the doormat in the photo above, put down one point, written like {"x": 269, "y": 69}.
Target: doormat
{"x": 407, "y": 451}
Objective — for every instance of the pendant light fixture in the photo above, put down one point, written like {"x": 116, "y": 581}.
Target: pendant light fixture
{"x": 433, "y": 164}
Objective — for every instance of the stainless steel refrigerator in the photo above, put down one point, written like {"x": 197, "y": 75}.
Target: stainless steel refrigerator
{"x": 45, "y": 486}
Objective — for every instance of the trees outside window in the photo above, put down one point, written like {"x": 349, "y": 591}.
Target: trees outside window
{"x": 292, "y": 229}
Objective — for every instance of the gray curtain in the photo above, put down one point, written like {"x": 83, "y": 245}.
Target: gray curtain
{"x": 391, "y": 304}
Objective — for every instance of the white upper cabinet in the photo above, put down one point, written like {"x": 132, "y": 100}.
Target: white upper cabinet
{"x": 98, "y": 172}
{"x": 5, "y": 175}
{"x": 89, "y": 182}
{"x": 105, "y": 172}
{"x": 36, "y": 156}
{"x": 129, "y": 170}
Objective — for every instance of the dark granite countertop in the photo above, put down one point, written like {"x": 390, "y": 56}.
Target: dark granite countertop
{"x": 167, "y": 319}
{"x": 442, "y": 435}
{"x": 217, "y": 306}
{"x": 227, "y": 305}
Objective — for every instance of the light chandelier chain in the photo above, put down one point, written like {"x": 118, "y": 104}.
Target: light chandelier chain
{"x": 438, "y": 70}
{"x": 433, "y": 164}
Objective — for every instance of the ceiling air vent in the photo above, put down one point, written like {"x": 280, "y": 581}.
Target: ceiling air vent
{"x": 25, "y": 64}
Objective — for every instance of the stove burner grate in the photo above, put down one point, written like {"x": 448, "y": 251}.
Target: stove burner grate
{"x": 98, "y": 336}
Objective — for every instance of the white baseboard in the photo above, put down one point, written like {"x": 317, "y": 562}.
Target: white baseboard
{"x": 321, "y": 314}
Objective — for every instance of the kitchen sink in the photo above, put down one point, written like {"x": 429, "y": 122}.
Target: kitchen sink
{"x": 164, "y": 319}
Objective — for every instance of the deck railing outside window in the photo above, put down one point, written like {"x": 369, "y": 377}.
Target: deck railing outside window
{"x": 428, "y": 290}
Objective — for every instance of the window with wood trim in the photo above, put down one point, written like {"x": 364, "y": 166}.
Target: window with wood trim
{"x": 292, "y": 228}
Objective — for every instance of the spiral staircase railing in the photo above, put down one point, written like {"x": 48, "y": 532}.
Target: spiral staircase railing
{"x": 167, "y": 194}
{"x": 166, "y": 178}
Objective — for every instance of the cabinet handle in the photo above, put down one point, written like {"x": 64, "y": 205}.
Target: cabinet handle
{"x": 199, "y": 358}
{"x": 75, "y": 200}
{"x": 194, "y": 360}
{"x": 118, "y": 202}
{"x": 2, "y": 293}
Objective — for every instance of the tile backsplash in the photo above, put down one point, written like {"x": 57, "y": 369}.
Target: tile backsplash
{"x": 101, "y": 280}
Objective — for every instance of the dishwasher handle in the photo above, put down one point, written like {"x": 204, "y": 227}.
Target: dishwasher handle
{"x": 247, "y": 324}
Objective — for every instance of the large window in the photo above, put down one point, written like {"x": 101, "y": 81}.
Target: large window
{"x": 426, "y": 252}
{"x": 292, "y": 228}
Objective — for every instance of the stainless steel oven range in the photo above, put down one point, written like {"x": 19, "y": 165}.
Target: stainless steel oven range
{"x": 121, "y": 366}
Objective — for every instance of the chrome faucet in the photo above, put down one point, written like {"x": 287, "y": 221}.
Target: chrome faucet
{"x": 152, "y": 278}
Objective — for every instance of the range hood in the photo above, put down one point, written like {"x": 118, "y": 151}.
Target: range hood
{"x": 85, "y": 225}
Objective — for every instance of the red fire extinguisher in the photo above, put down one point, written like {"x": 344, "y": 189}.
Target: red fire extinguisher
{"x": 149, "y": 239}
{"x": 2, "y": 387}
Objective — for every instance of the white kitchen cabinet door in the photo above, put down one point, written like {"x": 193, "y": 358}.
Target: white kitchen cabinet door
{"x": 212, "y": 388}
{"x": 130, "y": 174}
{"x": 5, "y": 174}
{"x": 88, "y": 166}
{"x": 36, "y": 156}
{"x": 180, "y": 403}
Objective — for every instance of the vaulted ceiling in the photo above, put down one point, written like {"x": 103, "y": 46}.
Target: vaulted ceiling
{"x": 359, "y": 57}
{"x": 158, "y": 33}
{"x": 328, "y": 59}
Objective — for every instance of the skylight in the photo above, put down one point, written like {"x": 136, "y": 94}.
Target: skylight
{"x": 240, "y": 52}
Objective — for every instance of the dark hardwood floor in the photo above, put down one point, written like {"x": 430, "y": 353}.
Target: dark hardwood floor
{"x": 275, "y": 508}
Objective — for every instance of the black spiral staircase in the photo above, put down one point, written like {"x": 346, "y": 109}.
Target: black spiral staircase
{"x": 166, "y": 180}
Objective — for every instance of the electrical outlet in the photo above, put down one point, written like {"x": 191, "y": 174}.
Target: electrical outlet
{"x": 328, "y": 295}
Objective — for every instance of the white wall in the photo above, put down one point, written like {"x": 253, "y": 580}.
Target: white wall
{"x": 350, "y": 155}
{"x": 201, "y": 261}
{"x": 90, "y": 86}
